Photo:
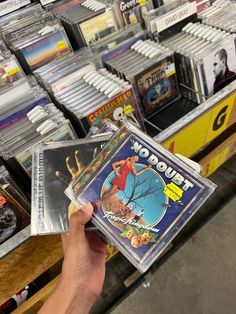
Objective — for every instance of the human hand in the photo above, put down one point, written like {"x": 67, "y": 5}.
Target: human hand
{"x": 83, "y": 270}
{"x": 74, "y": 172}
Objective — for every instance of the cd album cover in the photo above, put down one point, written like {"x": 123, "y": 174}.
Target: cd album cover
{"x": 119, "y": 109}
{"x": 133, "y": 11}
{"x": 54, "y": 167}
{"x": 99, "y": 27}
{"x": 219, "y": 67}
{"x": 157, "y": 86}
{"x": 142, "y": 194}
{"x": 47, "y": 49}
{"x": 10, "y": 72}
{"x": 13, "y": 217}
{"x": 65, "y": 133}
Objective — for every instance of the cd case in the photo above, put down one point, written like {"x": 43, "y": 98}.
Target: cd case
{"x": 54, "y": 166}
{"x": 13, "y": 217}
{"x": 142, "y": 194}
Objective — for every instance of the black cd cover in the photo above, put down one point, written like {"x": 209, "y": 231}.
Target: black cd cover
{"x": 55, "y": 166}
{"x": 13, "y": 217}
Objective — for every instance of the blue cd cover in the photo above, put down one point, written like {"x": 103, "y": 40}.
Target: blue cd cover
{"x": 157, "y": 86}
{"x": 142, "y": 194}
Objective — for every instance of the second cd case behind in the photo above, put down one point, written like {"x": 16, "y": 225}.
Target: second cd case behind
{"x": 55, "y": 165}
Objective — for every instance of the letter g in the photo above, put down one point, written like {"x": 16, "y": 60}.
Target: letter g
{"x": 220, "y": 119}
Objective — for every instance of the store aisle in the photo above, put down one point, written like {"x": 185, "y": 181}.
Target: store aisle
{"x": 200, "y": 278}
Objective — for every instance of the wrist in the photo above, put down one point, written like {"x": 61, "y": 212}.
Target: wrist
{"x": 77, "y": 296}
{"x": 69, "y": 300}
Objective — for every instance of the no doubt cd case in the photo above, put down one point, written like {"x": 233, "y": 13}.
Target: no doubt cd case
{"x": 142, "y": 194}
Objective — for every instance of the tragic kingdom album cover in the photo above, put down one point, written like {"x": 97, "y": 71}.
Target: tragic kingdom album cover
{"x": 142, "y": 194}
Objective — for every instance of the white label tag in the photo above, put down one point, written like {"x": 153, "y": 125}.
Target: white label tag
{"x": 12, "y": 5}
{"x": 44, "y": 2}
{"x": 170, "y": 69}
{"x": 110, "y": 23}
{"x": 178, "y": 15}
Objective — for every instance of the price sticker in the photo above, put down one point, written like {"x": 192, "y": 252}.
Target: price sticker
{"x": 173, "y": 192}
{"x": 128, "y": 109}
{"x": 61, "y": 44}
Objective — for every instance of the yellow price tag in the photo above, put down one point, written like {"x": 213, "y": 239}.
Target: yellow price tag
{"x": 112, "y": 44}
{"x": 173, "y": 192}
{"x": 61, "y": 44}
{"x": 142, "y": 2}
{"x": 170, "y": 73}
{"x": 13, "y": 71}
{"x": 128, "y": 109}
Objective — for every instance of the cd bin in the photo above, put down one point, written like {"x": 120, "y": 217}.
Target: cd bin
{"x": 193, "y": 135}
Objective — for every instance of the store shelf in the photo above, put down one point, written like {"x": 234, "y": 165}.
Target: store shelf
{"x": 27, "y": 262}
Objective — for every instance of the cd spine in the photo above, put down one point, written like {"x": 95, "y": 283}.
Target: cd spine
{"x": 37, "y": 193}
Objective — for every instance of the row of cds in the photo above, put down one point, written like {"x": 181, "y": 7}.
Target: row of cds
{"x": 205, "y": 60}
{"x": 28, "y": 117}
{"x": 153, "y": 16}
{"x": 36, "y": 38}
{"x": 88, "y": 22}
{"x": 93, "y": 21}
{"x": 221, "y": 15}
{"x": 150, "y": 68}
{"x": 10, "y": 69}
{"x": 88, "y": 95}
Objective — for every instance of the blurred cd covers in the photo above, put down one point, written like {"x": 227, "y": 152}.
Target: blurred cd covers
{"x": 72, "y": 73}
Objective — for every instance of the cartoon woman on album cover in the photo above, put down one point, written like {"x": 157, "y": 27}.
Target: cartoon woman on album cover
{"x": 127, "y": 166}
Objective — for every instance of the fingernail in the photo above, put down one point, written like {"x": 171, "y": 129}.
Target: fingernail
{"x": 87, "y": 208}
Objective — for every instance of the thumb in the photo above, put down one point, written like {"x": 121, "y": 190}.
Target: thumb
{"x": 78, "y": 220}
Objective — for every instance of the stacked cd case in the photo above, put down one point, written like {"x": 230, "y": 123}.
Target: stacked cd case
{"x": 205, "y": 60}
{"x": 142, "y": 194}
{"x": 87, "y": 22}
{"x": 10, "y": 69}
{"x": 35, "y": 37}
{"x": 150, "y": 68}
{"x": 162, "y": 10}
{"x": 132, "y": 12}
{"x": 29, "y": 117}
{"x": 222, "y": 14}
{"x": 56, "y": 165}
{"x": 90, "y": 96}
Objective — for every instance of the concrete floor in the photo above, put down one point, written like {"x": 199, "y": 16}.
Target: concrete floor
{"x": 200, "y": 278}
